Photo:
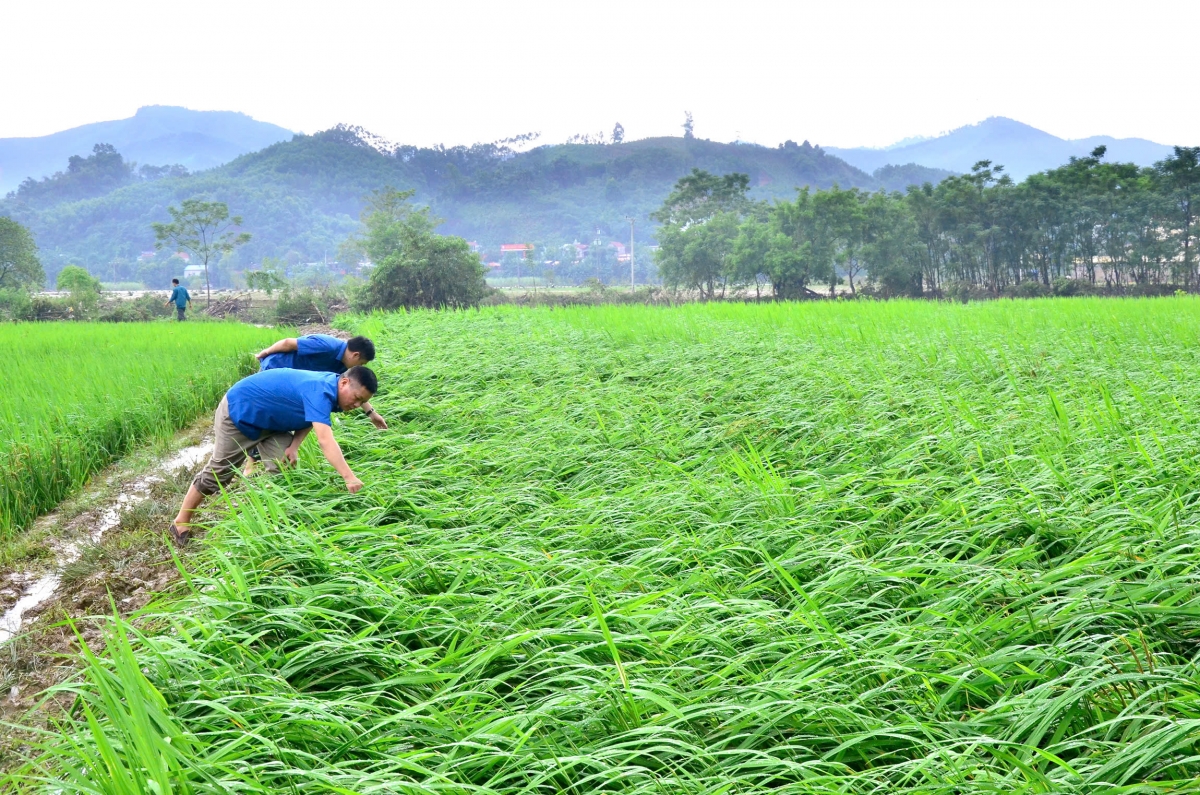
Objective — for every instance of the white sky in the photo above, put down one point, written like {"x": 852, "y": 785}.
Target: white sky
{"x": 838, "y": 73}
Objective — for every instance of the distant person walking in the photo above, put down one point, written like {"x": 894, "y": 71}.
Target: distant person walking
{"x": 322, "y": 353}
{"x": 179, "y": 297}
{"x": 274, "y": 411}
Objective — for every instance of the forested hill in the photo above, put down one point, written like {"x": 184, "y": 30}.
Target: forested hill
{"x": 304, "y": 196}
{"x": 1023, "y": 150}
{"x": 157, "y": 135}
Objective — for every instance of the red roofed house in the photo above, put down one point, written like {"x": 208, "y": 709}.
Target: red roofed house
{"x": 513, "y": 248}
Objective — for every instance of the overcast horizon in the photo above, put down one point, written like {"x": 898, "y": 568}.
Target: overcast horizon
{"x": 844, "y": 75}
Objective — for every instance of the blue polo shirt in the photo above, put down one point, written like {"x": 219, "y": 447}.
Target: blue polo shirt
{"x": 317, "y": 352}
{"x": 282, "y": 400}
{"x": 179, "y": 296}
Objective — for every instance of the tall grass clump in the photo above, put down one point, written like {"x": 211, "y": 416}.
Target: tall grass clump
{"x": 868, "y": 548}
{"x": 76, "y": 396}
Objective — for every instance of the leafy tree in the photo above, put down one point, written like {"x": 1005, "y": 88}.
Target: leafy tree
{"x": 618, "y": 133}
{"x": 688, "y": 125}
{"x": 837, "y": 225}
{"x": 699, "y": 256}
{"x": 1180, "y": 174}
{"x": 266, "y": 278}
{"x": 701, "y": 195}
{"x": 413, "y": 266}
{"x": 891, "y": 249}
{"x": 19, "y": 264}
{"x": 700, "y": 224}
{"x": 761, "y": 249}
{"x": 74, "y": 279}
{"x": 204, "y": 229}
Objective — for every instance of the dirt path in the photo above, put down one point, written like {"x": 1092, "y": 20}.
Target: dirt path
{"x": 107, "y": 540}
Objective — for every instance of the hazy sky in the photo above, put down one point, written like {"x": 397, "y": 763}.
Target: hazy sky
{"x": 838, "y": 73}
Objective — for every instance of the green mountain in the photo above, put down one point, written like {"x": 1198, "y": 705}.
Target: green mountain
{"x": 1021, "y": 149}
{"x": 155, "y": 135}
{"x": 301, "y": 198}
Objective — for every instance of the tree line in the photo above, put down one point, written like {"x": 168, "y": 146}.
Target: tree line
{"x": 1089, "y": 225}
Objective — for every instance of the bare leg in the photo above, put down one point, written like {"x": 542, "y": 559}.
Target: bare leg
{"x": 190, "y": 503}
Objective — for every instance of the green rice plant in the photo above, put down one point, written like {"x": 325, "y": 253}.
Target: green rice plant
{"x": 823, "y": 548}
{"x": 77, "y": 396}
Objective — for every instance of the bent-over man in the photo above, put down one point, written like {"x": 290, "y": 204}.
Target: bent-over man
{"x": 275, "y": 410}
{"x": 325, "y": 354}
{"x": 180, "y": 297}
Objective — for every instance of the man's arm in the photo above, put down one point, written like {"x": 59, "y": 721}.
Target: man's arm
{"x": 374, "y": 416}
{"x": 283, "y": 346}
{"x": 333, "y": 454}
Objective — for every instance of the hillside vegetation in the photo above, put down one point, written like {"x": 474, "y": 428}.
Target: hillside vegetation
{"x": 301, "y": 198}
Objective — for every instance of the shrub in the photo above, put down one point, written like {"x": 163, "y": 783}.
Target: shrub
{"x": 416, "y": 268}
{"x": 142, "y": 308}
{"x": 309, "y": 305}
{"x": 1027, "y": 289}
{"x": 432, "y": 272}
{"x": 964, "y": 291}
{"x": 74, "y": 279}
{"x": 15, "y": 305}
{"x": 1069, "y": 287}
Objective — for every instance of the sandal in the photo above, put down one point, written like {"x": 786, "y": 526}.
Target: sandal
{"x": 179, "y": 536}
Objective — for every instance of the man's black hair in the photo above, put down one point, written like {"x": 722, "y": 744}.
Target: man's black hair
{"x": 174, "y": 281}
{"x": 363, "y": 346}
{"x": 364, "y": 377}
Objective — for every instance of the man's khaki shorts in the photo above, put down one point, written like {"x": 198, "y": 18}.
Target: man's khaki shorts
{"x": 229, "y": 452}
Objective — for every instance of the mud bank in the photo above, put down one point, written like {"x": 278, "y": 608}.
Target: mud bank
{"x": 34, "y": 588}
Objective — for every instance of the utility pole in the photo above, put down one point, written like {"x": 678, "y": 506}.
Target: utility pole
{"x": 632, "y": 278}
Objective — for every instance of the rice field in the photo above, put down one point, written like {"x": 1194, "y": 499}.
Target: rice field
{"x": 77, "y": 396}
{"x": 822, "y": 548}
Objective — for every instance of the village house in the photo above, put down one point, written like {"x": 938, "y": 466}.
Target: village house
{"x": 513, "y": 248}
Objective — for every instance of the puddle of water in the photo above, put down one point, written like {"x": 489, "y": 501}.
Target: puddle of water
{"x": 188, "y": 457}
{"x": 66, "y": 553}
{"x": 43, "y": 589}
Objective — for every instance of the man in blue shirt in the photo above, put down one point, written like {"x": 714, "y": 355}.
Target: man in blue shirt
{"x": 179, "y": 297}
{"x": 275, "y": 410}
{"x": 323, "y": 353}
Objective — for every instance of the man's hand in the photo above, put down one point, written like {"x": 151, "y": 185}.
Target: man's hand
{"x": 374, "y": 416}
{"x": 291, "y": 453}
{"x": 333, "y": 454}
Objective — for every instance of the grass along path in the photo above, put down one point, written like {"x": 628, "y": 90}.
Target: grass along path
{"x": 77, "y": 396}
{"x": 112, "y": 530}
{"x": 714, "y": 549}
